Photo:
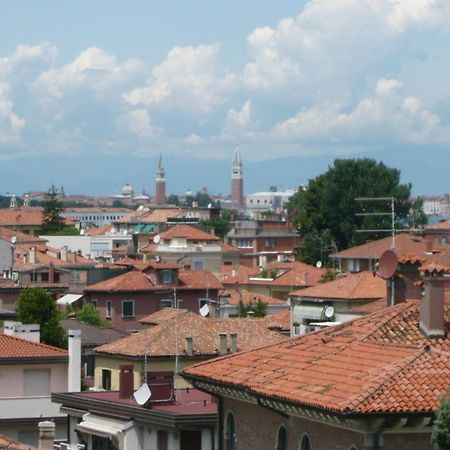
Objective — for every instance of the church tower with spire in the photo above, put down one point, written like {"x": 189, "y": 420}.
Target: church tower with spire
{"x": 160, "y": 189}
{"x": 237, "y": 181}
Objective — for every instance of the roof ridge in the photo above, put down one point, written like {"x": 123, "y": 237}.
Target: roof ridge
{"x": 392, "y": 370}
{"x": 35, "y": 344}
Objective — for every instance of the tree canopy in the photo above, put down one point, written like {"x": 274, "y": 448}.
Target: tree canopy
{"x": 326, "y": 212}
{"x": 52, "y": 208}
{"x": 440, "y": 436}
{"x": 36, "y": 305}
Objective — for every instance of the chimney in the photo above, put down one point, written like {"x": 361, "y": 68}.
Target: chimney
{"x": 189, "y": 346}
{"x": 46, "y": 435}
{"x": 145, "y": 258}
{"x": 30, "y": 332}
{"x": 64, "y": 253}
{"x": 126, "y": 381}
{"x": 74, "y": 374}
{"x": 32, "y": 255}
{"x": 75, "y": 257}
{"x": 51, "y": 273}
{"x": 429, "y": 246}
{"x": 234, "y": 347}
{"x": 432, "y": 322}
{"x": 395, "y": 291}
{"x": 223, "y": 344}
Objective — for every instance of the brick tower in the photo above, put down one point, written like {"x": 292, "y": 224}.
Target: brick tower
{"x": 237, "y": 181}
{"x": 160, "y": 189}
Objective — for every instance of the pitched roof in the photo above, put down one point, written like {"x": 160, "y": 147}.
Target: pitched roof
{"x": 237, "y": 273}
{"x": 283, "y": 318}
{"x": 14, "y": 347}
{"x": 199, "y": 279}
{"x": 376, "y": 364}
{"x": 160, "y": 340}
{"x": 188, "y": 232}
{"x": 162, "y": 316}
{"x": 443, "y": 225}
{"x": 21, "y": 238}
{"x": 353, "y": 286}
{"x": 9, "y": 444}
{"x": 21, "y": 216}
{"x": 405, "y": 244}
{"x": 90, "y": 334}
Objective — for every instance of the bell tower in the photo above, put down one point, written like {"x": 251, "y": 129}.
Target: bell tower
{"x": 160, "y": 188}
{"x": 237, "y": 181}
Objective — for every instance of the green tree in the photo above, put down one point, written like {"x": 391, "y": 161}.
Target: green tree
{"x": 440, "y": 436}
{"x": 220, "y": 225}
{"x": 89, "y": 314}
{"x": 203, "y": 199}
{"x": 326, "y": 211}
{"x": 52, "y": 207}
{"x": 173, "y": 199}
{"x": 258, "y": 308}
{"x": 36, "y": 305}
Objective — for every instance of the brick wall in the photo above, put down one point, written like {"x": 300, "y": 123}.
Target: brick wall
{"x": 257, "y": 429}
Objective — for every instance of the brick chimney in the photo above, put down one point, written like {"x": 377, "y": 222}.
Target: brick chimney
{"x": 398, "y": 286}
{"x": 189, "y": 346}
{"x": 432, "y": 322}
{"x": 223, "y": 350}
{"x": 126, "y": 380}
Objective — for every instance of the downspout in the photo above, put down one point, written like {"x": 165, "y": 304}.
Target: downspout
{"x": 377, "y": 434}
{"x": 220, "y": 424}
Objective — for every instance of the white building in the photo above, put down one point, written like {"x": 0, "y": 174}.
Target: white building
{"x": 273, "y": 201}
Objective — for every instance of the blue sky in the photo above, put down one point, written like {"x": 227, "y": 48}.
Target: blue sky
{"x": 195, "y": 78}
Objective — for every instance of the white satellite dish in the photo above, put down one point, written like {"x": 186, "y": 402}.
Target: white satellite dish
{"x": 156, "y": 239}
{"x": 124, "y": 232}
{"x": 142, "y": 395}
{"x": 329, "y": 312}
{"x": 209, "y": 205}
{"x": 113, "y": 230}
{"x": 319, "y": 264}
{"x": 13, "y": 240}
{"x": 204, "y": 310}
{"x": 82, "y": 232}
{"x": 158, "y": 258}
{"x": 141, "y": 207}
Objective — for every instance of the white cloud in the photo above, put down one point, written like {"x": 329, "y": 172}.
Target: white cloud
{"x": 138, "y": 122}
{"x": 10, "y": 123}
{"x": 193, "y": 139}
{"x": 240, "y": 119}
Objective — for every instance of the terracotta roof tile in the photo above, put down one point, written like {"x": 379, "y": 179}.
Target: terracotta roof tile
{"x": 234, "y": 296}
{"x": 353, "y": 286}
{"x": 188, "y": 232}
{"x": 134, "y": 280}
{"x": 160, "y": 340}
{"x": 232, "y": 274}
{"x": 200, "y": 279}
{"x": 163, "y": 315}
{"x": 21, "y": 216}
{"x": 13, "y": 347}
{"x": 379, "y": 363}
{"x": 10, "y": 444}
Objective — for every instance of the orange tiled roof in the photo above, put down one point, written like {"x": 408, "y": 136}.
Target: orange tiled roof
{"x": 161, "y": 215}
{"x": 283, "y": 318}
{"x": 353, "y": 286}
{"x": 236, "y": 274}
{"x": 234, "y": 296}
{"x": 21, "y": 238}
{"x": 134, "y": 280}
{"x": 444, "y": 225}
{"x": 21, "y": 216}
{"x": 376, "y": 364}
{"x": 188, "y": 232}
{"x": 9, "y": 444}
{"x": 199, "y": 279}
{"x": 13, "y": 347}
{"x": 160, "y": 340}
{"x": 368, "y": 308}
{"x": 162, "y": 316}
{"x": 405, "y": 244}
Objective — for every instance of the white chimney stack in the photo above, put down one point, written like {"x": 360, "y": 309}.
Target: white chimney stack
{"x": 64, "y": 253}
{"x": 74, "y": 374}
{"x": 46, "y": 435}
{"x": 30, "y": 332}
{"x": 33, "y": 255}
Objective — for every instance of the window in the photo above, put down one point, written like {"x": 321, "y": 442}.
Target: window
{"x": 95, "y": 303}
{"x": 106, "y": 379}
{"x": 165, "y": 303}
{"x": 198, "y": 265}
{"x": 166, "y": 276}
{"x": 163, "y": 440}
{"x": 127, "y": 308}
{"x": 282, "y": 439}
{"x": 56, "y": 277}
{"x": 36, "y": 382}
{"x": 44, "y": 277}
{"x": 108, "y": 308}
{"x": 33, "y": 277}
{"x": 305, "y": 443}
{"x": 230, "y": 433}
{"x": 244, "y": 243}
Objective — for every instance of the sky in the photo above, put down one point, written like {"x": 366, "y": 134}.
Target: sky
{"x": 193, "y": 79}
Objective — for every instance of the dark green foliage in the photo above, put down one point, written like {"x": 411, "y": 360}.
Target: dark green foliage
{"x": 219, "y": 225}
{"x": 89, "y": 314}
{"x": 440, "y": 436}
{"x": 52, "y": 207}
{"x": 258, "y": 308}
{"x": 36, "y": 305}
{"x": 173, "y": 199}
{"x": 325, "y": 213}
{"x": 329, "y": 275}
{"x": 203, "y": 199}
{"x": 118, "y": 204}
{"x": 67, "y": 230}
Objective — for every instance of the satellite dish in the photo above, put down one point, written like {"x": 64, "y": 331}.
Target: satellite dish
{"x": 142, "y": 395}
{"x": 141, "y": 207}
{"x": 158, "y": 258}
{"x": 82, "y": 232}
{"x": 156, "y": 239}
{"x": 124, "y": 232}
{"x": 204, "y": 310}
{"x": 328, "y": 312}
{"x": 209, "y": 205}
{"x": 13, "y": 240}
{"x": 113, "y": 230}
{"x": 387, "y": 264}
{"x": 319, "y": 264}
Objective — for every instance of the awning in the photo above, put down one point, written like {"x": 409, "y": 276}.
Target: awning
{"x": 68, "y": 299}
{"x": 143, "y": 228}
{"x": 312, "y": 312}
{"x": 106, "y": 427}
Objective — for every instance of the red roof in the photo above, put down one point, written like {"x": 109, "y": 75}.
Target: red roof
{"x": 376, "y": 364}
{"x": 235, "y": 295}
{"x": 353, "y": 286}
{"x": 21, "y": 216}
{"x": 232, "y": 274}
{"x": 190, "y": 233}
{"x": 9, "y": 444}
{"x": 199, "y": 279}
{"x": 13, "y": 347}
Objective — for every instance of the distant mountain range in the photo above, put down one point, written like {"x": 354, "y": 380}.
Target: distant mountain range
{"x": 428, "y": 169}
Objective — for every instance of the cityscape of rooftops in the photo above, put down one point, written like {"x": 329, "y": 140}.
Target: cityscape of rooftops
{"x": 225, "y": 225}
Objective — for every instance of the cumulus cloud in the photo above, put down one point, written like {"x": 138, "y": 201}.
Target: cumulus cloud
{"x": 10, "y": 123}
{"x": 240, "y": 119}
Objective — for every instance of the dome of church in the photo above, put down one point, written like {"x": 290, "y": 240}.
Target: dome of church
{"x": 189, "y": 193}
{"x": 127, "y": 190}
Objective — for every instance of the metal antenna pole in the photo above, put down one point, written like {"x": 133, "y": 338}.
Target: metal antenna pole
{"x": 176, "y": 329}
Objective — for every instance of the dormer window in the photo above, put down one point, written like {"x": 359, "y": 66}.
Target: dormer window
{"x": 166, "y": 276}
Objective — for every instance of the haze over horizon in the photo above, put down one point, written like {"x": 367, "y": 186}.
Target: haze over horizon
{"x": 84, "y": 85}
